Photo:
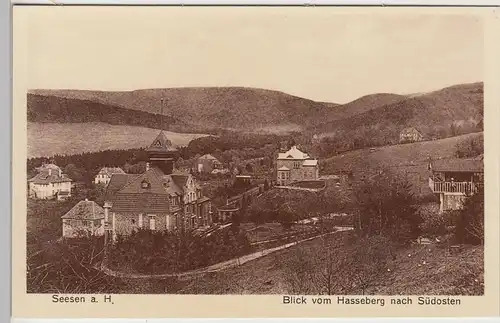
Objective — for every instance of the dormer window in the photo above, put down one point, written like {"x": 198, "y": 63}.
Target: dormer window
{"x": 145, "y": 184}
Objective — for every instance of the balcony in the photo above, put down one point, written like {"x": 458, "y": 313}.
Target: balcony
{"x": 452, "y": 187}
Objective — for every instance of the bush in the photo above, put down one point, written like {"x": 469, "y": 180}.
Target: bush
{"x": 434, "y": 223}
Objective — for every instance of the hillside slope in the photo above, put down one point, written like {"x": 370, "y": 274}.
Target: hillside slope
{"x": 407, "y": 158}
{"x": 432, "y": 114}
{"x": 222, "y": 107}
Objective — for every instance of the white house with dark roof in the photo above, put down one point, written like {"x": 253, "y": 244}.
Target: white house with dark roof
{"x": 104, "y": 175}
{"x": 158, "y": 199}
{"x": 295, "y": 165}
{"x": 85, "y": 218}
{"x": 49, "y": 183}
{"x": 410, "y": 134}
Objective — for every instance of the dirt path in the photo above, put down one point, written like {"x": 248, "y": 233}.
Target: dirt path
{"x": 219, "y": 266}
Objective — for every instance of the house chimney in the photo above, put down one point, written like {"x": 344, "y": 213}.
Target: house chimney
{"x": 50, "y": 172}
{"x": 60, "y": 172}
{"x": 86, "y": 200}
{"x": 147, "y": 166}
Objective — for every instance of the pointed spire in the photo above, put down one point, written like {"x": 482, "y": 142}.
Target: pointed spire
{"x": 161, "y": 144}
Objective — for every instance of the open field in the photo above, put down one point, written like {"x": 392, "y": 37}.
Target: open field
{"x": 405, "y": 158}
{"x": 48, "y": 139}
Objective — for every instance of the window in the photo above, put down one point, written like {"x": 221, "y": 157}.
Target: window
{"x": 145, "y": 184}
{"x": 133, "y": 221}
{"x": 296, "y": 165}
{"x": 152, "y": 222}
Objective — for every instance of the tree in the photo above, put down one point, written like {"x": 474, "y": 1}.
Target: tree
{"x": 387, "y": 206}
{"x": 470, "y": 221}
{"x": 470, "y": 147}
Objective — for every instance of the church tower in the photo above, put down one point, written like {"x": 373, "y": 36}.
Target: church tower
{"x": 161, "y": 154}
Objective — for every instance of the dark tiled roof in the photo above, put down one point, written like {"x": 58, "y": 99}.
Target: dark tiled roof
{"x": 85, "y": 210}
{"x": 141, "y": 203}
{"x": 117, "y": 182}
{"x": 44, "y": 177}
{"x": 458, "y": 165}
{"x": 161, "y": 144}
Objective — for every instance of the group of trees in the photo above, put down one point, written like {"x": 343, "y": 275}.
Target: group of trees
{"x": 340, "y": 265}
{"x": 152, "y": 252}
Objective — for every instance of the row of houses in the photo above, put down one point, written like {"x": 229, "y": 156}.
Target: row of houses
{"x": 157, "y": 199}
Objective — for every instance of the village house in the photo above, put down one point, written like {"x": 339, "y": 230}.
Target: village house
{"x": 49, "y": 183}
{"x": 454, "y": 179}
{"x": 295, "y": 165}
{"x": 410, "y": 134}
{"x": 158, "y": 199}
{"x": 208, "y": 164}
{"x": 85, "y": 218}
{"x": 104, "y": 175}
{"x": 237, "y": 204}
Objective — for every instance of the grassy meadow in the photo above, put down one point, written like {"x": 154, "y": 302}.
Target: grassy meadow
{"x": 48, "y": 139}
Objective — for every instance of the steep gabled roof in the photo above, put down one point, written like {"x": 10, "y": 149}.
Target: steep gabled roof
{"x": 293, "y": 153}
{"x": 116, "y": 183}
{"x": 46, "y": 177}
{"x": 161, "y": 144}
{"x": 141, "y": 202}
{"x": 85, "y": 210}
{"x": 458, "y": 165}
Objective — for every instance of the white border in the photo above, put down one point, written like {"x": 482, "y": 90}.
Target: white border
{"x": 5, "y": 141}
{"x": 268, "y": 2}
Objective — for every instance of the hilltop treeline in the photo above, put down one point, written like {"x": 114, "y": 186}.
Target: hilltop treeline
{"x": 228, "y": 147}
{"x": 62, "y": 110}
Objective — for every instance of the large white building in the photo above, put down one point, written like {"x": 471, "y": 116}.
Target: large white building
{"x": 49, "y": 183}
{"x": 294, "y": 166}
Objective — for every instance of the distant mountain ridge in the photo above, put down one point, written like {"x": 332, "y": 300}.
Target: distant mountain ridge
{"x": 250, "y": 109}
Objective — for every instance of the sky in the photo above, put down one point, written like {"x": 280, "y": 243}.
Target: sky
{"x": 320, "y": 54}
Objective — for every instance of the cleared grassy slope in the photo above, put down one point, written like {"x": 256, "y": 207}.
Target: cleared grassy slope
{"x": 411, "y": 158}
{"x": 48, "y": 139}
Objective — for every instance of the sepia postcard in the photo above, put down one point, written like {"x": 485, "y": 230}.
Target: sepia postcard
{"x": 255, "y": 162}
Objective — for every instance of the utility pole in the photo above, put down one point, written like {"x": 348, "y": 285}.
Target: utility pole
{"x": 161, "y": 113}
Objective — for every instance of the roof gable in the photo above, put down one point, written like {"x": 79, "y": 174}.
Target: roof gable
{"x": 85, "y": 210}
